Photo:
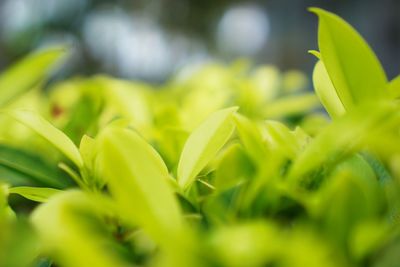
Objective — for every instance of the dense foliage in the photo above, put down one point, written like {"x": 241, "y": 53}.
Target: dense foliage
{"x": 222, "y": 166}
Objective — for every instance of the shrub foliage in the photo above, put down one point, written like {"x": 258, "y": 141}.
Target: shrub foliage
{"x": 221, "y": 166}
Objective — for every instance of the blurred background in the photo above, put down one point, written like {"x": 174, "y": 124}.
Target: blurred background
{"x": 151, "y": 40}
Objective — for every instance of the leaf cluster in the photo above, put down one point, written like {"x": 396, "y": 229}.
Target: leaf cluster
{"x": 222, "y": 166}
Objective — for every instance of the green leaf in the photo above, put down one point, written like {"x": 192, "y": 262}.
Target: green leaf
{"x": 353, "y": 68}
{"x": 251, "y": 138}
{"x": 394, "y": 87}
{"x": 344, "y": 135}
{"x": 28, "y": 72}
{"x": 39, "y": 194}
{"x": 138, "y": 180}
{"x": 292, "y": 105}
{"x": 349, "y": 197}
{"x": 45, "y": 129}
{"x": 326, "y": 91}
{"x": 233, "y": 168}
{"x": 203, "y": 144}
{"x": 73, "y": 233}
{"x": 87, "y": 150}
{"x": 280, "y": 139}
{"x": 18, "y": 167}
{"x": 315, "y": 53}
{"x": 130, "y": 100}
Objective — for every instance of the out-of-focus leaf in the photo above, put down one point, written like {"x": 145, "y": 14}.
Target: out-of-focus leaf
{"x": 350, "y": 196}
{"x": 262, "y": 243}
{"x": 129, "y": 100}
{"x": 203, "y": 144}
{"x": 233, "y": 168}
{"x": 84, "y": 114}
{"x": 71, "y": 228}
{"x": 315, "y": 53}
{"x": 251, "y": 138}
{"x": 137, "y": 178}
{"x": 21, "y": 168}
{"x": 87, "y": 150}
{"x": 280, "y": 139}
{"x": 394, "y": 87}
{"x": 6, "y": 213}
{"x": 389, "y": 255}
{"x": 197, "y": 105}
{"x": 90, "y": 173}
{"x": 252, "y": 244}
{"x": 43, "y": 262}
{"x": 169, "y": 143}
{"x": 326, "y": 92}
{"x": 28, "y": 72}
{"x": 353, "y": 68}
{"x": 294, "y": 81}
{"x": 39, "y": 194}
{"x": 18, "y": 244}
{"x": 367, "y": 237}
{"x": 45, "y": 129}
{"x": 266, "y": 82}
{"x": 314, "y": 123}
{"x": 292, "y": 105}
{"x": 343, "y": 136}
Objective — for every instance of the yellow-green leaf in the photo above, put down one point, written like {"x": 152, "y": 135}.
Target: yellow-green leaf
{"x": 45, "y": 129}
{"x": 251, "y": 138}
{"x": 394, "y": 87}
{"x": 27, "y": 72}
{"x": 203, "y": 144}
{"x": 291, "y": 106}
{"x": 138, "y": 180}
{"x": 39, "y": 194}
{"x": 353, "y": 68}
{"x": 72, "y": 229}
{"x": 344, "y": 135}
{"x": 326, "y": 92}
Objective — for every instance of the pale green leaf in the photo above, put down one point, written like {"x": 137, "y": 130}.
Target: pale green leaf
{"x": 203, "y": 144}
{"x": 280, "y": 139}
{"x": 72, "y": 230}
{"x": 45, "y": 129}
{"x": 316, "y": 53}
{"x": 291, "y": 105}
{"x": 87, "y": 149}
{"x": 343, "y": 136}
{"x": 39, "y": 194}
{"x": 233, "y": 168}
{"x": 326, "y": 92}
{"x": 251, "y": 138}
{"x": 27, "y": 72}
{"x": 394, "y": 87}
{"x": 353, "y": 68}
{"x": 138, "y": 180}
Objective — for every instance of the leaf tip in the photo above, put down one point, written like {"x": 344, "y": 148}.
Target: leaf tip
{"x": 316, "y": 10}
{"x": 315, "y": 53}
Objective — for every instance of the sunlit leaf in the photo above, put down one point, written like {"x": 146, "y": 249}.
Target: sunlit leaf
{"x": 251, "y": 138}
{"x": 343, "y": 136}
{"x": 203, "y": 144}
{"x": 43, "y": 128}
{"x": 137, "y": 178}
{"x": 71, "y": 228}
{"x": 353, "y": 68}
{"x": 291, "y": 106}
{"x": 39, "y": 194}
{"x": 394, "y": 87}
{"x": 28, "y": 72}
{"x": 326, "y": 92}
